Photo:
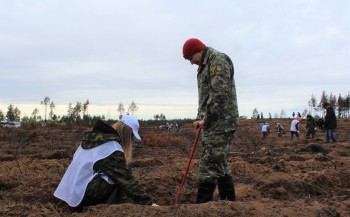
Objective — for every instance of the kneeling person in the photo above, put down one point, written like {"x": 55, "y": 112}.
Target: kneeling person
{"x": 98, "y": 173}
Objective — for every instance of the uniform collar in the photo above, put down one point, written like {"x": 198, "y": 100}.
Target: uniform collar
{"x": 205, "y": 58}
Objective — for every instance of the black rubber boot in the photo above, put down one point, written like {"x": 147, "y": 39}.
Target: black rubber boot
{"x": 205, "y": 192}
{"x": 226, "y": 188}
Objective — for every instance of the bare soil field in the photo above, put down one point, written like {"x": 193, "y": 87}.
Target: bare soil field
{"x": 273, "y": 177}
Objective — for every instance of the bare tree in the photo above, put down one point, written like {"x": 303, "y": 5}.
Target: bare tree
{"x": 13, "y": 113}
{"x": 121, "y": 109}
{"x": 17, "y": 113}
{"x": 133, "y": 108}
{"x": 333, "y": 101}
{"x": 346, "y": 106}
{"x": 76, "y": 110}
{"x": 70, "y": 112}
{"x": 340, "y": 106}
{"x": 52, "y": 107}
{"x": 324, "y": 99}
{"x": 255, "y": 113}
{"x": 2, "y": 116}
{"x": 312, "y": 103}
{"x": 156, "y": 117}
{"x": 85, "y": 107}
{"x": 162, "y": 117}
{"x": 283, "y": 114}
{"x": 46, "y": 102}
{"x": 35, "y": 114}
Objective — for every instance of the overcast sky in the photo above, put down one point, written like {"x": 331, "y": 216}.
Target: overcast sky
{"x": 110, "y": 51}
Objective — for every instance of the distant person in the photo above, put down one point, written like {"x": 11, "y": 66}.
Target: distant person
{"x": 262, "y": 115}
{"x": 294, "y": 128}
{"x": 258, "y": 116}
{"x": 98, "y": 173}
{"x": 330, "y": 122}
{"x": 261, "y": 124}
{"x": 162, "y": 127}
{"x": 311, "y": 126}
{"x": 270, "y": 116}
{"x": 168, "y": 126}
{"x": 279, "y": 129}
{"x": 265, "y": 130}
{"x": 177, "y": 126}
{"x": 217, "y": 117}
{"x": 293, "y": 114}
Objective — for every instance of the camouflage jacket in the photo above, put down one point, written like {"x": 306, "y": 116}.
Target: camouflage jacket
{"x": 114, "y": 166}
{"x": 217, "y": 92}
{"x": 311, "y": 124}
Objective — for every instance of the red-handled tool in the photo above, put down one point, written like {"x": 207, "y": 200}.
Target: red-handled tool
{"x": 187, "y": 168}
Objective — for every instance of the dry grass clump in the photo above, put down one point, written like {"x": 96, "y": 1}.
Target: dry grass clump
{"x": 159, "y": 139}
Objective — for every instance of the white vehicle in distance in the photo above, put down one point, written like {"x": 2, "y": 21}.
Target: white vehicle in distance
{"x": 10, "y": 124}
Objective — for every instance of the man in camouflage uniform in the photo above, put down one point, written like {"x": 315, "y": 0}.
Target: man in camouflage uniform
{"x": 311, "y": 126}
{"x": 217, "y": 116}
{"x": 108, "y": 179}
{"x": 279, "y": 129}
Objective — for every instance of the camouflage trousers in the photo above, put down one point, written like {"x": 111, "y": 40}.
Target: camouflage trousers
{"x": 214, "y": 159}
{"x": 99, "y": 191}
{"x": 310, "y": 131}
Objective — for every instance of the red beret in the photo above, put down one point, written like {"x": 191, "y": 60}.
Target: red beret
{"x": 192, "y": 46}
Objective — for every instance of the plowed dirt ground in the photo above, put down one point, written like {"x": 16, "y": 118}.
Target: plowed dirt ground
{"x": 273, "y": 177}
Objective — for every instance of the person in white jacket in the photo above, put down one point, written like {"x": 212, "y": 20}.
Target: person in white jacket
{"x": 294, "y": 128}
{"x": 265, "y": 130}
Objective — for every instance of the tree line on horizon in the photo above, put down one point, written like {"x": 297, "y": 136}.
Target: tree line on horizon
{"x": 341, "y": 105}
{"x": 78, "y": 113}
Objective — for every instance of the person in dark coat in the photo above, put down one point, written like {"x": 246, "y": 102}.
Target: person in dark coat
{"x": 330, "y": 122}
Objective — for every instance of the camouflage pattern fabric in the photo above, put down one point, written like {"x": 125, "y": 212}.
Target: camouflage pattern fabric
{"x": 114, "y": 166}
{"x": 217, "y": 93}
{"x": 219, "y": 110}
{"x": 311, "y": 125}
{"x": 91, "y": 140}
{"x": 214, "y": 159}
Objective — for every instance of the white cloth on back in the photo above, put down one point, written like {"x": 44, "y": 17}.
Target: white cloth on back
{"x": 264, "y": 128}
{"x": 80, "y": 172}
{"x": 293, "y": 125}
